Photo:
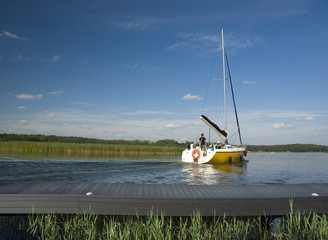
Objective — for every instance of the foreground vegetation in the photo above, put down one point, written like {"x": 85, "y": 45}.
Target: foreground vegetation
{"x": 92, "y": 226}
{"x": 41, "y": 144}
{"x": 88, "y": 149}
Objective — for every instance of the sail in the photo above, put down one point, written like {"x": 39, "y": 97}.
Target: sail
{"x": 212, "y": 125}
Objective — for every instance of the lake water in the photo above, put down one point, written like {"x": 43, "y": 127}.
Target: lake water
{"x": 261, "y": 168}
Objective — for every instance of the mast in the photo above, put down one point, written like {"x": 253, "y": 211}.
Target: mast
{"x": 224, "y": 85}
{"x": 234, "y": 102}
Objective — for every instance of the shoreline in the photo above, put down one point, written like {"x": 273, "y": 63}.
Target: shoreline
{"x": 116, "y": 149}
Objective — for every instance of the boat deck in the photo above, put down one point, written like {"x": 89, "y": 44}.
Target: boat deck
{"x": 171, "y": 200}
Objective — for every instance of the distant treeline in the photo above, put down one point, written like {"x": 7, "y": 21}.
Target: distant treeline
{"x": 288, "y": 148}
{"x": 53, "y": 138}
{"x": 4, "y": 137}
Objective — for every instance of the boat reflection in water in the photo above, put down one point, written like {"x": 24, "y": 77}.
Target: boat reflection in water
{"x": 206, "y": 174}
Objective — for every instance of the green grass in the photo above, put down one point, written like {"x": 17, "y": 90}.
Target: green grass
{"x": 92, "y": 226}
{"x": 294, "y": 225}
{"x": 87, "y": 149}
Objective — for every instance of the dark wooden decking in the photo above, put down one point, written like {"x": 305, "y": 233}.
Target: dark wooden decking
{"x": 171, "y": 200}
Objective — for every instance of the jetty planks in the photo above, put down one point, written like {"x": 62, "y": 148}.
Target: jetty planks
{"x": 167, "y": 199}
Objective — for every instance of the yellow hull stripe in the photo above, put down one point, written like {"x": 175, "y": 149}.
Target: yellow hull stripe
{"x": 227, "y": 157}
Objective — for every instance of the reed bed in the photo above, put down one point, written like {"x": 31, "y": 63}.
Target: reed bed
{"x": 87, "y": 149}
{"x": 93, "y": 226}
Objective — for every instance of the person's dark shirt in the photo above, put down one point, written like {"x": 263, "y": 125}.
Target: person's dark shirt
{"x": 202, "y": 140}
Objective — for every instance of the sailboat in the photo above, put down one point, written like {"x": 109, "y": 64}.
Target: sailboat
{"x": 220, "y": 152}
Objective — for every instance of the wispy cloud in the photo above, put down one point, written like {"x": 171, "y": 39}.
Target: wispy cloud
{"x": 281, "y": 125}
{"x": 23, "y": 122}
{"x": 140, "y": 67}
{"x": 176, "y": 45}
{"x": 21, "y": 107}
{"x": 145, "y": 124}
{"x": 136, "y": 22}
{"x": 55, "y": 59}
{"x": 147, "y": 112}
{"x": 200, "y": 43}
{"x": 204, "y": 44}
{"x": 82, "y": 61}
{"x": 28, "y": 96}
{"x": 267, "y": 114}
{"x": 21, "y": 58}
{"x": 11, "y": 35}
{"x": 171, "y": 125}
{"x": 248, "y": 82}
{"x": 308, "y": 118}
{"x": 85, "y": 126}
{"x": 83, "y": 103}
{"x": 235, "y": 43}
{"x": 55, "y": 92}
{"x": 189, "y": 96}
{"x": 47, "y": 114}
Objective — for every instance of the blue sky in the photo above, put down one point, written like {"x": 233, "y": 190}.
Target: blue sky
{"x": 148, "y": 69}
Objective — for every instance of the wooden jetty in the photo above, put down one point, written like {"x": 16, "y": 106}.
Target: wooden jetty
{"x": 167, "y": 199}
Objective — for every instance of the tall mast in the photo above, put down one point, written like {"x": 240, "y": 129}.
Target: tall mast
{"x": 224, "y": 84}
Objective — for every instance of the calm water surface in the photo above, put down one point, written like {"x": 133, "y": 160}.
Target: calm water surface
{"x": 261, "y": 168}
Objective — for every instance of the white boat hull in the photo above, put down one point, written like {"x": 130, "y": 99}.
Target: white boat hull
{"x": 227, "y": 154}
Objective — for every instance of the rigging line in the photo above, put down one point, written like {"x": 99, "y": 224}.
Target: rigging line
{"x": 233, "y": 98}
{"x": 233, "y": 137}
{"x": 208, "y": 85}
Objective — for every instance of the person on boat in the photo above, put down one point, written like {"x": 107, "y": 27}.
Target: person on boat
{"x": 202, "y": 142}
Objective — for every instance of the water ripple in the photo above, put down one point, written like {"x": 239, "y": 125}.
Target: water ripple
{"x": 261, "y": 168}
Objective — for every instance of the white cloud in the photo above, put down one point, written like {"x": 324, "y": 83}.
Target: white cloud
{"x": 147, "y": 112}
{"x": 52, "y": 60}
{"x": 308, "y": 118}
{"x": 138, "y": 22}
{"x": 20, "y": 58}
{"x": 23, "y": 122}
{"x": 140, "y": 66}
{"x": 204, "y": 44}
{"x": 268, "y": 114}
{"x": 21, "y": 107}
{"x": 29, "y": 96}
{"x": 55, "y": 92}
{"x": 55, "y": 58}
{"x": 200, "y": 37}
{"x": 11, "y": 35}
{"x": 83, "y": 103}
{"x": 234, "y": 43}
{"x": 62, "y": 124}
{"x": 282, "y": 126}
{"x": 134, "y": 23}
{"x": 176, "y": 45}
{"x": 85, "y": 126}
{"x": 200, "y": 43}
{"x": 47, "y": 114}
{"x": 156, "y": 125}
{"x": 248, "y": 82}
{"x": 171, "y": 125}
{"x": 82, "y": 61}
{"x": 191, "y": 97}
